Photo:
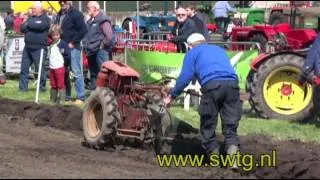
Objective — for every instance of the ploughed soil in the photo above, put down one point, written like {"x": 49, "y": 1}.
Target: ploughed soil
{"x": 41, "y": 141}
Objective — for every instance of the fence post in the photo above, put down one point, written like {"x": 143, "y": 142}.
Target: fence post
{"x": 39, "y": 77}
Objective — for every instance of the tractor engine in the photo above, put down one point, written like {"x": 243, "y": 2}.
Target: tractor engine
{"x": 137, "y": 108}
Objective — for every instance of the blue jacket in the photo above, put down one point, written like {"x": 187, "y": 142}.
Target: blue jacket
{"x": 221, "y": 9}
{"x": 36, "y": 32}
{"x": 204, "y": 62}
{"x": 73, "y": 26}
{"x": 312, "y": 61}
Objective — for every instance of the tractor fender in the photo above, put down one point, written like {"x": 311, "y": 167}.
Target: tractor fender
{"x": 265, "y": 56}
{"x": 119, "y": 68}
{"x": 303, "y": 37}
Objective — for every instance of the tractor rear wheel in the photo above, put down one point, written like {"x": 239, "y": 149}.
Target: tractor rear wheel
{"x": 276, "y": 17}
{"x": 100, "y": 118}
{"x": 275, "y": 92}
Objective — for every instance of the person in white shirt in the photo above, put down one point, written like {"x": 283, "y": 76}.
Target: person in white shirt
{"x": 59, "y": 56}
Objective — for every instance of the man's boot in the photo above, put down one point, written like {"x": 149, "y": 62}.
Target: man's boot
{"x": 232, "y": 151}
{"x": 62, "y": 96}
{"x": 53, "y": 95}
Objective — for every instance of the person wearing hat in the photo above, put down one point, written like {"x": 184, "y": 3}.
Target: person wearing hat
{"x": 210, "y": 65}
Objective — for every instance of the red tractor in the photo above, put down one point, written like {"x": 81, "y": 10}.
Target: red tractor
{"x": 281, "y": 34}
{"x": 307, "y": 12}
{"x": 292, "y": 27}
{"x": 122, "y": 109}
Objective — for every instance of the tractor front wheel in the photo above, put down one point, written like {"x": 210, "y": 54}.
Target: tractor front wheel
{"x": 100, "y": 118}
{"x": 275, "y": 92}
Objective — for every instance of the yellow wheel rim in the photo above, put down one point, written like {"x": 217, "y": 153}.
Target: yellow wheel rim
{"x": 282, "y": 92}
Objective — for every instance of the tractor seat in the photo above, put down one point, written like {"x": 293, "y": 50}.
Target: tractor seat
{"x": 120, "y": 68}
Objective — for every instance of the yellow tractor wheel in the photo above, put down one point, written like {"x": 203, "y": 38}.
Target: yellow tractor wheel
{"x": 275, "y": 92}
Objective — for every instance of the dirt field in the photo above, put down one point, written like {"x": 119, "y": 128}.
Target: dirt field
{"x": 45, "y": 142}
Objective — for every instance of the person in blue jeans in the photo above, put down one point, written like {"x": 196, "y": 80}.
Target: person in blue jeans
{"x": 98, "y": 42}
{"x": 311, "y": 74}
{"x": 221, "y": 14}
{"x": 73, "y": 28}
{"x": 36, "y": 30}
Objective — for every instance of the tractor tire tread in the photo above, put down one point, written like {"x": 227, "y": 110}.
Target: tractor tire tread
{"x": 256, "y": 87}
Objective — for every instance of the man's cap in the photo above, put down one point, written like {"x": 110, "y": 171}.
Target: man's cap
{"x": 195, "y": 37}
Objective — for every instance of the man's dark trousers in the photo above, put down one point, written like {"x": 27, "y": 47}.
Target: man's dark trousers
{"x": 220, "y": 97}
{"x": 30, "y": 56}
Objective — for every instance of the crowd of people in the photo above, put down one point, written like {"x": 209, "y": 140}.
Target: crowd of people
{"x": 59, "y": 38}
{"x": 95, "y": 37}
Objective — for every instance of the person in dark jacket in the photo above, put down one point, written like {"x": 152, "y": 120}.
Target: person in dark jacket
{"x": 311, "y": 73}
{"x": 98, "y": 42}
{"x": 9, "y": 21}
{"x": 183, "y": 28}
{"x": 202, "y": 27}
{"x": 36, "y": 30}
{"x": 73, "y": 30}
{"x": 210, "y": 65}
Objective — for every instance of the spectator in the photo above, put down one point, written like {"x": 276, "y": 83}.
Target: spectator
{"x": 2, "y": 37}
{"x": 51, "y": 15}
{"x": 220, "y": 93}
{"x": 202, "y": 14}
{"x": 36, "y": 30}
{"x": 2, "y": 24}
{"x": 59, "y": 59}
{"x": 98, "y": 42}
{"x": 30, "y": 13}
{"x": 202, "y": 28}
{"x": 221, "y": 14}
{"x": 73, "y": 28}
{"x": 9, "y": 21}
{"x": 311, "y": 73}
{"x": 183, "y": 28}
{"x": 18, "y": 21}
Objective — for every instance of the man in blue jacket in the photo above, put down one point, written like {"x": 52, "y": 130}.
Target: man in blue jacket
{"x": 311, "y": 72}
{"x": 36, "y": 30}
{"x": 210, "y": 65}
{"x": 73, "y": 28}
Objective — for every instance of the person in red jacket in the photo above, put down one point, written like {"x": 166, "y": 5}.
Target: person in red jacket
{"x": 17, "y": 22}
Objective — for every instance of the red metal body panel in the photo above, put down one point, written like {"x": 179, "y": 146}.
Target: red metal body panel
{"x": 212, "y": 27}
{"x": 120, "y": 68}
{"x": 297, "y": 38}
